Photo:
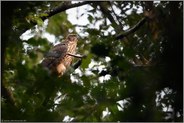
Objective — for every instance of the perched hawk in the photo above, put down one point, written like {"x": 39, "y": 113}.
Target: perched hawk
{"x": 59, "y": 58}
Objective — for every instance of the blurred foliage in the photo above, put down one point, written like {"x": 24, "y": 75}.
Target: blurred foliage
{"x": 137, "y": 78}
{"x": 59, "y": 25}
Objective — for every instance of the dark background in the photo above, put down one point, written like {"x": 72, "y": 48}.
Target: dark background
{"x": 146, "y": 60}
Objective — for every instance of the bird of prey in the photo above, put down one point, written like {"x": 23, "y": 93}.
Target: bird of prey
{"x": 60, "y": 57}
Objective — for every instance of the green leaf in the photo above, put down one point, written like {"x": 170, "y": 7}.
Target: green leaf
{"x": 39, "y": 21}
{"x": 86, "y": 61}
{"x": 43, "y": 15}
{"x": 90, "y": 18}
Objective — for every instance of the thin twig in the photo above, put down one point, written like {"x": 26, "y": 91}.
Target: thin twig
{"x": 117, "y": 18}
{"x": 107, "y": 13}
{"x": 75, "y": 55}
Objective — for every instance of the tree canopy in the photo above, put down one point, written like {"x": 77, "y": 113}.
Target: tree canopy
{"x": 133, "y": 69}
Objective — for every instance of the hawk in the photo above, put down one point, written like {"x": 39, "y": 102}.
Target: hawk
{"x": 60, "y": 57}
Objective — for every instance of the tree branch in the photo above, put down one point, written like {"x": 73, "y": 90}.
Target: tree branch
{"x": 117, "y": 17}
{"x": 107, "y": 13}
{"x": 76, "y": 55}
{"x": 131, "y": 30}
{"x": 63, "y": 7}
{"x": 6, "y": 94}
{"x": 116, "y": 26}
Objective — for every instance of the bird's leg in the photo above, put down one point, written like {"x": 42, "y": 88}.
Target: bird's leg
{"x": 77, "y": 56}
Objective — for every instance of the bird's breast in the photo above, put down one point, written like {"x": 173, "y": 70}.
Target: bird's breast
{"x": 66, "y": 60}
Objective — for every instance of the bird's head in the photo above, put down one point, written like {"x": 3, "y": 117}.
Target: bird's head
{"x": 72, "y": 37}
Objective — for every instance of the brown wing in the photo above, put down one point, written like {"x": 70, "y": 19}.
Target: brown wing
{"x": 55, "y": 55}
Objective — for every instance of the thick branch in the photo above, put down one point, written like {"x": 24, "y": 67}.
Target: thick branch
{"x": 131, "y": 30}
{"x": 63, "y": 7}
{"x": 6, "y": 94}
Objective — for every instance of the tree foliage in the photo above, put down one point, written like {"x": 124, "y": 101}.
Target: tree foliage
{"x": 132, "y": 72}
